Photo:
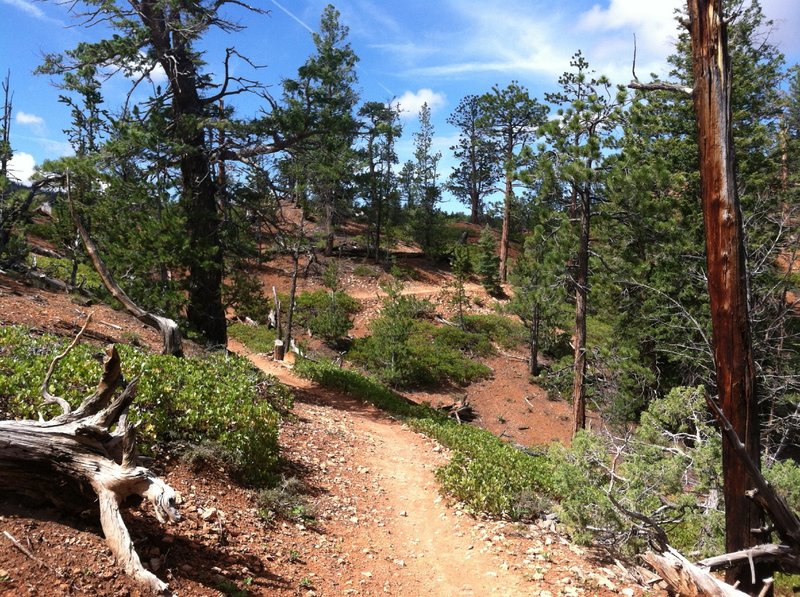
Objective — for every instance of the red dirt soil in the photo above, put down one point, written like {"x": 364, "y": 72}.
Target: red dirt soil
{"x": 380, "y": 526}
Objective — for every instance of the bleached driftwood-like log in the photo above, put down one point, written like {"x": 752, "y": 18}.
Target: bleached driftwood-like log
{"x": 87, "y": 456}
{"x": 687, "y": 579}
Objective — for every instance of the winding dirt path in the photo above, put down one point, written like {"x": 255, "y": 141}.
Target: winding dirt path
{"x": 385, "y": 529}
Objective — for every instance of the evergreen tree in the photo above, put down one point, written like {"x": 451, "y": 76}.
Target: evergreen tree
{"x": 425, "y": 216}
{"x": 150, "y": 33}
{"x": 488, "y": 262}
{"x": 378, "y": 181}
{"x": 580, "y": 142}
{"x": 478, "y": 169}
{"x": 539, "y": 278}
{"x": 511, "y": 118}
{"x": 322, "y": 101}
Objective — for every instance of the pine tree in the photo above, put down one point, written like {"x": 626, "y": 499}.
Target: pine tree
{"x": 580, "y": 143}
{"x": 511, "y": 118}
{"x": 478, "y": 169}
{"x": 488, "y": 262}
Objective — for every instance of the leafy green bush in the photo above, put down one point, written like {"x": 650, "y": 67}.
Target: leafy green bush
{"x": 326, "y": 314}
{"x": 404, "y": 352}
{"x": 419, "y": 353}
{"x": 506, "y": 332}
{"x": 219, "y": 399}
{"x": 258, "y": 338}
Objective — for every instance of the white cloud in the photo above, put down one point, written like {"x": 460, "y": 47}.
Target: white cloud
{"x": 21, "y": 167}
{"x": 533, "y": 40}
{"x": 31, "y": 120}
{"x": 27, "y": 7}
{"x": 411, "y": 102}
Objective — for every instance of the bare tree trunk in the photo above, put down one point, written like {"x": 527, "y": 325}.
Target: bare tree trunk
{"x": 474, "y": 199}
{"x": 581, "y": 299}
{"x": 727, "y": 276}
{"x": 509, "y": 193}
{"x": 533, "y": 363}
{"x": 328, "y": 228}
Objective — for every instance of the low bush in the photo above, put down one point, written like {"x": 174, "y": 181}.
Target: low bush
{"x": 220, "y": 398}
{"x": 506, "y": 332}
{"x": 258, "y": 338}
{"x": 326, "y": 314}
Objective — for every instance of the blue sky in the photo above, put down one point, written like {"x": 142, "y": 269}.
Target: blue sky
{"x": 436, "y": 51}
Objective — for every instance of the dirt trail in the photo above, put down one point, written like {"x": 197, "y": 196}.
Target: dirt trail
{"x": 391, "y": 531}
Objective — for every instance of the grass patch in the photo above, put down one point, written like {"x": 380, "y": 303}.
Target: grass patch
{"x": 258, "y": 338}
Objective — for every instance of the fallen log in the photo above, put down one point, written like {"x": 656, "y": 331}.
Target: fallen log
{"x": 460, "y": 411}
{"x": 685, "y": 578}
{"x": 77, "y": 462}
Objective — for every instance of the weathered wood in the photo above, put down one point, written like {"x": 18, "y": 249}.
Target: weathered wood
{"x": 170, "y": 333}
{"x": 727, "y": 273}
{"x": 786, "y": 556}
{"x": 687, "y": 579}
{"x": 75, "y": 460}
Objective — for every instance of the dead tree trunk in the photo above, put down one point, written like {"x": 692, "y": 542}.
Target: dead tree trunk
{"x": 581, "y": 298}
{"x": 170, "y": 334}
{"x": 76, "y": 461}
{"x": 727, "y": 274}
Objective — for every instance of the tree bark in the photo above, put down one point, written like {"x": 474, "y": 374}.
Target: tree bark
{"x": 581, "y": 298}
{"x": 533, "y": 362}
{"x": 727, "y": 274}
{"x": 76, "y": 461}
{"x": 504, "y": 236}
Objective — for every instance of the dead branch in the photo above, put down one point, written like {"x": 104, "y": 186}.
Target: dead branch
{"x": 170, "y": 333}
{"x": 659, "y": 86}
{"x": 787, "y": 524}
{"x": 686, "y": 578}
{"x": 48, "y": 397}
{"x": 787, "y": 557}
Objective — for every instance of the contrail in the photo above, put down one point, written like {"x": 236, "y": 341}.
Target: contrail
{"x": 284, "y": 9}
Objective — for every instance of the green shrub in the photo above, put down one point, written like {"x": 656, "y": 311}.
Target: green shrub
{"x": 285, "y": 500}
{"x": 327, "y": 314}
{"x": 258, "y": 338}
{"x": 219, "y": 398}
{"x": 365, "y": 271}
{"x": 407, "y": 353}
{"x": 504, "y": 331}
{"x": 404, "y": 352}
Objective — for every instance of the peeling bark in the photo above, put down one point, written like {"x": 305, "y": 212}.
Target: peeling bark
{"x": 727, "y": 273}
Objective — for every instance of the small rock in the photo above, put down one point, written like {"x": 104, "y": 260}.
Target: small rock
{"x": 400, "y": 563}
{"x": 628, "y": 592}
{"x": 403, "y": 513}
{"x": 155, "y": 564}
